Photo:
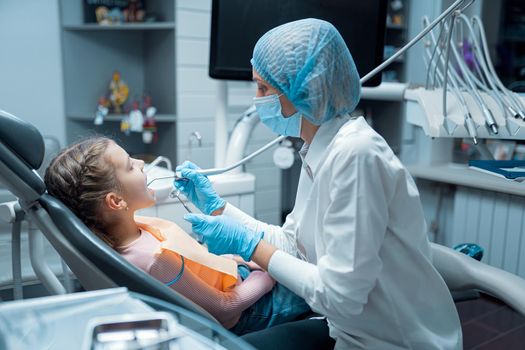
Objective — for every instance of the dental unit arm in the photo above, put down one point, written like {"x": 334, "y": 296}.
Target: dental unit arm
{"x": 239, "y": 137}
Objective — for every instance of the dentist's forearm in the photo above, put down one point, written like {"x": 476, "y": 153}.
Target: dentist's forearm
{"x": 263, "y": 253}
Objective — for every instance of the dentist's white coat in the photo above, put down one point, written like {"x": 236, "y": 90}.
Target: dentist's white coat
{"x": 359, "y": 222}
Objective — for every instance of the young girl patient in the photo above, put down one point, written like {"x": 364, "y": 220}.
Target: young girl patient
{"x": 104, "y": 187}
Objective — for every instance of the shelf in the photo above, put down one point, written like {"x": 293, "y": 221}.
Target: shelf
{"x": 144, "y": 54}
{"x": 160, "y": 118}
{"x": 462, "y": 175}
{"x": 123, "y": 27}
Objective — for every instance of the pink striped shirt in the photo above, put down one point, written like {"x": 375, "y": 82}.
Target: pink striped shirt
{"x": 165, "y": 265}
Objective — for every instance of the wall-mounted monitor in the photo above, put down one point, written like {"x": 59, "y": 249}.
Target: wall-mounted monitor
{"x": 238, "y": 24}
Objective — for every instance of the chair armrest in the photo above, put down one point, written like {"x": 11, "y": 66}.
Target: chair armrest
{"x": 462, "y": 272}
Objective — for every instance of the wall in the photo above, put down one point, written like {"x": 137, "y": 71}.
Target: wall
{"x": 496, "y": 222}
{"x": 30, "y": 64}
{"x": 196, "y": 106}
{"x": 30, "y": 88}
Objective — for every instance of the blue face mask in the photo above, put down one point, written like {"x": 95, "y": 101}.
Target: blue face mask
{"x": 269, "y": 110}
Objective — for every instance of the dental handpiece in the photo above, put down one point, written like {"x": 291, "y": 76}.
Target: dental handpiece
{"x": 176, "y": 177}
{"x": 469, "y": 122}
{"x": 217, "y": 171}
{"x": 485, "y": 111}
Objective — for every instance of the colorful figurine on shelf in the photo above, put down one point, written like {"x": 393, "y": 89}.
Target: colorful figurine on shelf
{"x": 133, "y": 13}
{"x": 136, "y": 118}
{"x": 102, "y": 15}
{"x": 147, "y": 108}
{"x": 106, "y": 16}
{"x": 397, "y": 12}
{"x": 125, "y": 125}
{"x": 119, "y": 92}
{"x": 102, "y": 110}
{"x": 149, "y": 133}
{"x": 116, "y": 16}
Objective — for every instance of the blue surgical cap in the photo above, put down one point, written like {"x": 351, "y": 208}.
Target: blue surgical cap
{"x": 309, "y": 62}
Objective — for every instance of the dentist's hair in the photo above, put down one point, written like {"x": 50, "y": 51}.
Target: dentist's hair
{"x": 80, "y": 176}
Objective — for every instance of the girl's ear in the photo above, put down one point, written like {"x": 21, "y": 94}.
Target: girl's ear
{"x": 114, "y": 201}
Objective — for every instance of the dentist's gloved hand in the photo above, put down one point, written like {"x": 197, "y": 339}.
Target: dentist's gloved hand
{"x": 224, "y": 235}
{"x": 198, "y": 189}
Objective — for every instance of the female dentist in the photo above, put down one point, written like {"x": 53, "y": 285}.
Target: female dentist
{"x": 354, "y": 246}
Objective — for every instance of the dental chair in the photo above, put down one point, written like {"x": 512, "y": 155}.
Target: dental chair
{"x": 97, "y": 266}
{"x": 463, "y": 273}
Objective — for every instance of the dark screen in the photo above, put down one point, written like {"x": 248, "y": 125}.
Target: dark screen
{"x": 238, "y": 24}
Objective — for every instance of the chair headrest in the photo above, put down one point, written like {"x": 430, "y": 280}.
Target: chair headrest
{"x": 22, "y": 138}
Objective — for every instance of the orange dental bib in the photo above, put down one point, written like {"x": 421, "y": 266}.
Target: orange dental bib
{"x": 215, "y": 270}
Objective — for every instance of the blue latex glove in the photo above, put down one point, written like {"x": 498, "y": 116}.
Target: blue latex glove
{"x": 224, "y": 235}
{"x": 198, "y": 189}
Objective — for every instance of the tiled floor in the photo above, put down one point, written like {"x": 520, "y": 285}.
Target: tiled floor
{"x": 490, "y": 325}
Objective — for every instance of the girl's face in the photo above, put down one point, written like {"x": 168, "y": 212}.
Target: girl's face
{"x": 130, "y": 175}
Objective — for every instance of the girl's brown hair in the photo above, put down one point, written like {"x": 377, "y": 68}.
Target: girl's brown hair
{"x": 80, "y": 177}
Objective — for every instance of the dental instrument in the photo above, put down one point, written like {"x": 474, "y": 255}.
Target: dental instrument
{"x": 469, "y": 123}
{"x": 176, "y": 194}
{"x": 485, "y": 76}
{"x": 429, "y": 69}
{"x": 449, "y": 125}
{"x": 476, "y": 22}
{"x": 481, "y": 67}
{"x": 454, "y": 82}
{"x": 217, "y": 171}
{"x": 173, "y": 193}
{"x": 489, "y": 118}
{"x": 447, "y": 59}
{"x": 178, "y": 178}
